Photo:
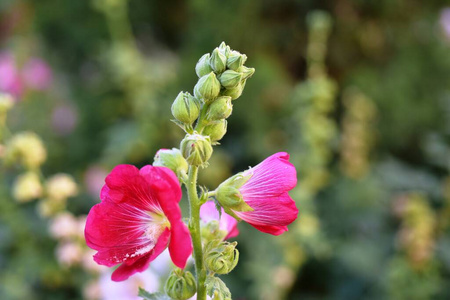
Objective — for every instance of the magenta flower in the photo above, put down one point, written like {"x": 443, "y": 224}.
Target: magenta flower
{"x": 137, "y": 219}
{"x": 10, "y": 80}
{"x": 266, "y": 192}
{"x": 227, "y": 223}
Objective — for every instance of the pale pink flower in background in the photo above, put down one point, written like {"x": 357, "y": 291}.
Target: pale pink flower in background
{"x": 64, "y": 119}
{"x": 94, "y": 179}
{"x": 37, "y": 74}
{"x": 445, "y": 21}
{"x": 64, "y": 226}
{"x": 92, "y": 291}
{"x": 128, "y": 289}
{"x": 227, "y": 223}
{"x": 69, "y": 254}
{"x": 89, "y": 264}
{"x": 10, "y": 81}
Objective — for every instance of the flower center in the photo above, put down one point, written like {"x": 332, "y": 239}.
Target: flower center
{"x": 156, "y": 226}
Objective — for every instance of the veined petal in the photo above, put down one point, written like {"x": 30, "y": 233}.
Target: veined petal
{"x": 180, "y": 246}
{"x": 273, "y": 176}
{"x": 127, "y": 269}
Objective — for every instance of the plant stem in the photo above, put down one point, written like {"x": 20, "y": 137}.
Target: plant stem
{"x": 194, "y": 227}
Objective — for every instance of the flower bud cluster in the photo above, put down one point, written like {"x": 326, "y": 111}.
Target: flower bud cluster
{"x": 221, "y": 257}
{"x": 25, "y": 148}
{"x": 222, "y": 77}
{"x": 180, "y": 285}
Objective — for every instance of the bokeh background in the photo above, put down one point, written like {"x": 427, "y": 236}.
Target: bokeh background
{"x": 358, "y": 92}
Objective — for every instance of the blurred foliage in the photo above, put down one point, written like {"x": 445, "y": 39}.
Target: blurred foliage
{"x": 363, "y": 108}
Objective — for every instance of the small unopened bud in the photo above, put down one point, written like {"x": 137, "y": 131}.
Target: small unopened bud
{"x": 235, "y": 60}
{"x": 221, "y": 257}
{"x": 235, "y": 92}
{"x": 218, "y": 61}
{"x": 27, "y": 148}
{"x": 230, "y": 79}
{"x": 246, "y": 72}
{"x": 196, "y": 149}
{"x": 225, "y": 49}
{"x": 27, "y": 187}
{"x": 185, "y": 108}
{"x": 203, "y": 68}
{"x": 180, "y": 285}
{"x": 229, "y": 196}
{"x": 216, "y": 130}
{"x": 60, "y": 187}
{"x": 207, "y": 87}
{"x": 6, "y": 103}
{"x": 220, "y": 109}
{"x": 172, "y": 159}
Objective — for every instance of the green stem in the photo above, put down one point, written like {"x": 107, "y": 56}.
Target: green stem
{"x": 194, "y": 227}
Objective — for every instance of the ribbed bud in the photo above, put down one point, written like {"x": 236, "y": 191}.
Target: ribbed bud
{"x": 203, "y": 68}
{"x": 230, "y": 79}
{"x": 172, "y": 159}
{"x": 235, "y": 60}
{"x": 196, "y": 149}
{"x": 229, "y": 196}
{"x": 27, "y": 187}
{"x": 185, "y": 108}
{"x": 235, "y": 92}
{"x": 225, "y": 49}
{"x": 246, "y": 72}
{"x": 211, "y": 231}
{"x": 207, "y": 88}
{"x": 180, "y": 285}
{"x": 221, "y": 257}
{"x": 216, "y": 130}
{"x": 218, "y": 61}
{"x": 220, "y": 109}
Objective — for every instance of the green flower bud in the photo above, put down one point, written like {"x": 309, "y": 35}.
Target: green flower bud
{"x": 225, "y": 49}
{"x": 211, "y": 231}
{"x": 230, "y": 79}
{"x": 207, "y": 88}
{"x": 6, "y": 103}
{"x": 235, "y": 60}
{"x": 229, "y": 196}
{"x": 196, "y": 148}
{"x": 246, "y": 72}
{"x": 218, "y": 61}
{"x": 221, "y": 257}
{"x": 172, "y": 159}
{"x": 220, "y": 109}
{"x": 216, "y": 130}
{"x": 185, "y": 108}
{"x": 27, "y": 187}
{"x": 203, "y": 68}
{"x": 235, "y": 92}
{"x": 180, "y": 285}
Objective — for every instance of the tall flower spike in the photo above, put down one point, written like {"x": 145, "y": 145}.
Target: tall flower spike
{"x": 138, "y": 218}
{"x": 264, "y": 188}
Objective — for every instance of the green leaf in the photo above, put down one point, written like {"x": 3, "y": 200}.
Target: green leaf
{"x": 217, "y": 289}
{"x": 152, "y": 296}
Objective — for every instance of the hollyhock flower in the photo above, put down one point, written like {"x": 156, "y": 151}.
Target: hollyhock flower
{"x": 10, "y": 80}
{"x": 137, "y": 218}
{"x": 37, "y": 74}
{"x": 227, "y": 223}
{"x": 260, "y": 196}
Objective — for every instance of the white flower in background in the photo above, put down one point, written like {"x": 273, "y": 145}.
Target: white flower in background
{"x": 61, "y": 186}
{"x": 69, "y": 254}
{"x": 64, "y": 226}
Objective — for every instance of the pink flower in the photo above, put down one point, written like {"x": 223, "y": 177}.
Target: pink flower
{"x": 266, "y": 192}
{"x": 227, "y": 223}
{"x": 10, "y": 81}
{"x": 37, "y": 74}
{"x": 137, "y": 219}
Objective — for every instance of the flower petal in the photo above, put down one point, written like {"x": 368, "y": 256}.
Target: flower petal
{"x": 273, "y": 176}
{"x": 126, "y": 269}
{"x": 180, "y": 246}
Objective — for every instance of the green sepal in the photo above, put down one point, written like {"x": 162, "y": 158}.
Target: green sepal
{"x": 152, "y": 296}
{"x": 217, "y": 289}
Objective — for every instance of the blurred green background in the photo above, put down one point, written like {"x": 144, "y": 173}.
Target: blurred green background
{"x": 358, "y": 92}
